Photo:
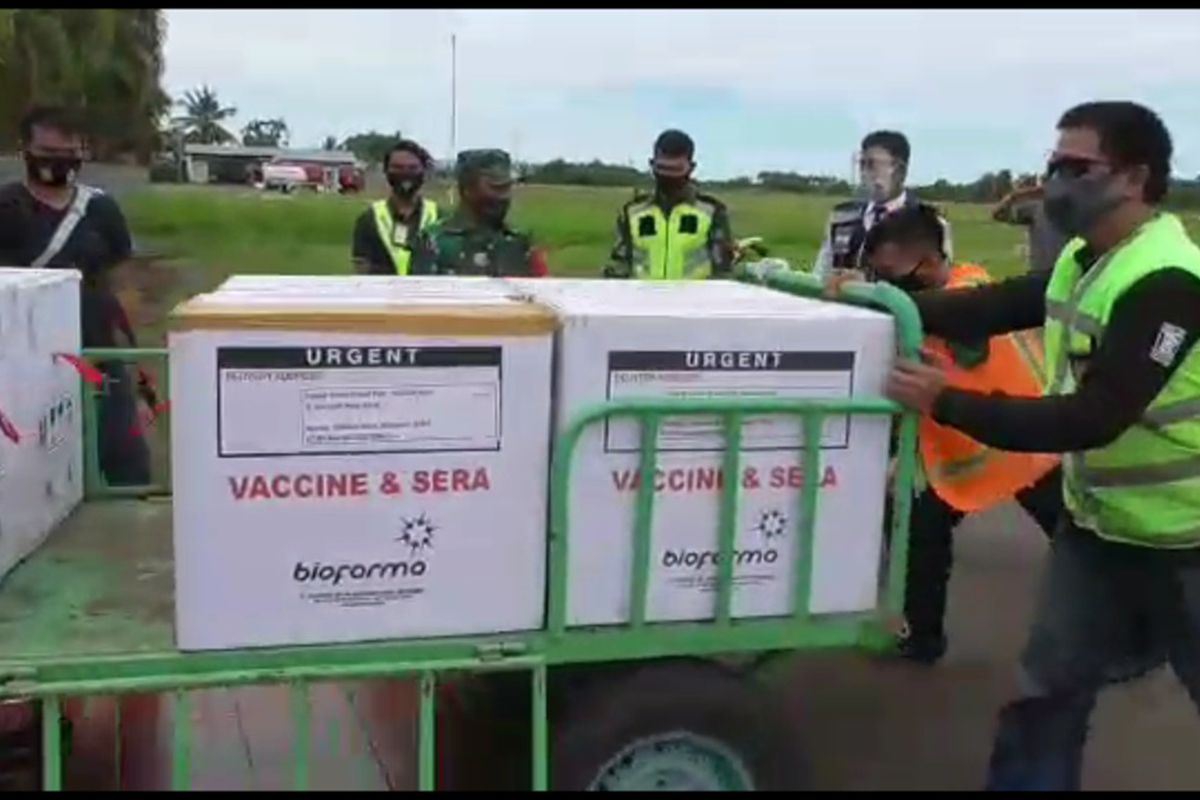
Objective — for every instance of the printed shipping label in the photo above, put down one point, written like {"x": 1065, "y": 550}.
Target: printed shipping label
{"x": 284, "y": 401}
{"x": 691, "y": 374}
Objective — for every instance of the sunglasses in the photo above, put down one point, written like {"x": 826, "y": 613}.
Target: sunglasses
{"x": 1072, "y": 166}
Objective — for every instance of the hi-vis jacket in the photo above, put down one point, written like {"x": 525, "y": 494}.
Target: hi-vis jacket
{"x": 967, "y": 475}
{"x": 689, "y": 240}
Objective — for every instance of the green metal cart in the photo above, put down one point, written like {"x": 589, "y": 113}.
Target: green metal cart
{"x": 642, "y": 705}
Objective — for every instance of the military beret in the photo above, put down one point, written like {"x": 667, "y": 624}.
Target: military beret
{"x": 495, "y": 164}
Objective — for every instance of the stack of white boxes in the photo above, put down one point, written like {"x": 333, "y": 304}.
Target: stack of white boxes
{"x": 625, "y": 339}
{"x": 41, "y": 453}
{"x": 363, "y": 458}
{"x": 357, "y": 463}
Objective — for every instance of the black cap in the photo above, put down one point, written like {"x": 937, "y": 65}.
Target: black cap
{"x": 674, "y": 143}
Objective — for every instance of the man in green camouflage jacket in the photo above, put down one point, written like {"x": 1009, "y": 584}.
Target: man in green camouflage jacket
{"x": 475, "y": 239}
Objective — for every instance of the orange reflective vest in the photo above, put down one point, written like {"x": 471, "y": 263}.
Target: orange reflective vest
{"x": 965, "y": 474}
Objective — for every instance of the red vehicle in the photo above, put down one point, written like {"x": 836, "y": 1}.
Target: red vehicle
{"x": 351, "y": 179}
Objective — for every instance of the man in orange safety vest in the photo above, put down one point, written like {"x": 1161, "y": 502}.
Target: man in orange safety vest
{"x": 961, "y": 476}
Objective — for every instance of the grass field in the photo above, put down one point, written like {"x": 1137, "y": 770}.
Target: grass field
{"x": 223, "y": 231}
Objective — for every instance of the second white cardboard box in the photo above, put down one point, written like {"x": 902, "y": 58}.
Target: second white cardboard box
{"x": 41, "y": 414}
{"x": 624, "y": 339}
{"x": 360, "y": 467}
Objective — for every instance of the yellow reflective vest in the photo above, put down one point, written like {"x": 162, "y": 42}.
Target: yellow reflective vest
{"x": 671, "y": 246}
{"x": 394, "y": 235}
{"x": 1143, "y": 488}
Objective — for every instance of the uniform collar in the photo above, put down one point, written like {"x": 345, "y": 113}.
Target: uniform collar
{"x": 415, "y": 214}
{"x": 687, "y": 196}
{"x": 894, "y": 204}
{"x": 458, "y": 222}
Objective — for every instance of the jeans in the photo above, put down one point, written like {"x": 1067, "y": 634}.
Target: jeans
{"x": 124, "y": 456}
{"x": 931, "y": 549}
{"x": 1102, "y": 605}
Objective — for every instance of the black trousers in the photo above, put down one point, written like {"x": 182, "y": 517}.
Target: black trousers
{"x": 931, "y": 549}
{"x": 124, "y": 455}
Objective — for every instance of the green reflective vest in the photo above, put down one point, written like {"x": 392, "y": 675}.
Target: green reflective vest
{"x": 394, "y": 235}
{"x": 674, "y": 246}
{"x": 1143, "y": 488}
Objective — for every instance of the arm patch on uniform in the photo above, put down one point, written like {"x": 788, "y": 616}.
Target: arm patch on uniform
{"x": 689, "y": 223}
{"x": 1167, "y": 344}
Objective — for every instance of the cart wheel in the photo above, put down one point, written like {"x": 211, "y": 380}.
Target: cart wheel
{"x": 677, "y": 726}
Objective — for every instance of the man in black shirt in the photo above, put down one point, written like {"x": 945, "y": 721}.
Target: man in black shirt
{"x": 49, "y": 220}
{"x": 1123, "y": 582}
{"x": 386, "y": 233}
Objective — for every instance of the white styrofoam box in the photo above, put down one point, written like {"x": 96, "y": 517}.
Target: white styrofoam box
{"x": 291, "y": 438}
{"x": 622, "y": 339}
{"x": 41, "y": 475}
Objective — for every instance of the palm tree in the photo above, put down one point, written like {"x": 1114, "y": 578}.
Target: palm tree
{"x": 124, "y": 94}
{"x": 203, "y": 116}
{"x": 265, "y": 133}
{"x": 107, "y": 62}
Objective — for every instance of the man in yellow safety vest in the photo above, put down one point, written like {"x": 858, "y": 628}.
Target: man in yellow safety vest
{"x": 1121, "y": 310}
{"x": 677, "y": 232}
{"x": 384, "y": 234}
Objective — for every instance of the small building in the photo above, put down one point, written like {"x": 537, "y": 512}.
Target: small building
{"x": 215, "y": 163}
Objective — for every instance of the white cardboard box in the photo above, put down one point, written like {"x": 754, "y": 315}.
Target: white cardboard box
{"x": 296, "y": 417}
{"x": 41, "y": 475}
{"x": 369, "y": 286}
{"x": 622, "y": 339}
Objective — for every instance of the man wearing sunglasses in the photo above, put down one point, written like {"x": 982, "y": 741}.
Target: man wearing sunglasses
{"x": 960, "y": 475}
{"x": 677, "y": 232}
{"x": 882, "y": 170}
{"x": 1121, "y": 311}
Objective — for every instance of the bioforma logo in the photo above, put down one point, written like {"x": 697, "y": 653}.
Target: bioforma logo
{"x": 771, "y": 527}
{"x": 416, "y": 534}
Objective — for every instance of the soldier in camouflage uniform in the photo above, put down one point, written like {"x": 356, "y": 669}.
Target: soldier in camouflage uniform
{"x": 475, "y": 239}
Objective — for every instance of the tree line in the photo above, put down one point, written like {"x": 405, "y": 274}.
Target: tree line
{"x": 987, "y": 188}
{"x": 106, "y": 62}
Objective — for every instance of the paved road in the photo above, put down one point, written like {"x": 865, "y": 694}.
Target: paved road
{"x": 887, "y": 726}
{"x": 112, "y": 178}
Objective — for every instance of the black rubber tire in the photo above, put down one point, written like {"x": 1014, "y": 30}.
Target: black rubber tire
{"x": 702, "y": 698}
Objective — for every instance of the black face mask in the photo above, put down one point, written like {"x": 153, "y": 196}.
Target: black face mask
{"x": 670, "y": 184}
{"x": 493, "y": 211}
{"x": 405, "y": 184}
{"x": 51, "y": 170}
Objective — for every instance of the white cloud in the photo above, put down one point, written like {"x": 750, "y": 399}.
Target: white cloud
{"x": 533, "y": 79}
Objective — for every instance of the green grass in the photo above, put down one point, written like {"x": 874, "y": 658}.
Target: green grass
{"x": 222, "y": 232}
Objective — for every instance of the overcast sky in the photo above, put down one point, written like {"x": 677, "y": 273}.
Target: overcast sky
{"x": 785, "y": 90}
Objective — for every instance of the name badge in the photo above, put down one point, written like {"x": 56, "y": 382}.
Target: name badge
{"x": 400, "y": 234}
